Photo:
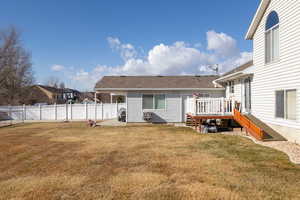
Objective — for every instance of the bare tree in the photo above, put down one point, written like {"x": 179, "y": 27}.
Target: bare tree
{"x": 15, "y": 68}
{"x": 53, "y": 81}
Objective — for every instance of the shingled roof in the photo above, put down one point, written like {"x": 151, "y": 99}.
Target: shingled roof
{"x": 156, "y": 82}
{"x": 240, "y": 68}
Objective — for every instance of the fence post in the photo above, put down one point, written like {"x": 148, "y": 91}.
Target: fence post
{"x": 95, "y": 111}
{"x": 40, "y": 109}
{"x": 86, "y": 111}
{"x": 24, "y": 112}
{"x": 117, "y": 107}
{"x": 66, "y": 111}
{"x": 102, "y": 114}
{"x": 71, "y": 111}
{"x": 55, "y": 112}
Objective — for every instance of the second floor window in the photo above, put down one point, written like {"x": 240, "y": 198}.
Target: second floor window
{"x": 272, "y": 38}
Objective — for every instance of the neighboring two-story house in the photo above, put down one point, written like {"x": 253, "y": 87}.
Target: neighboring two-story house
{"x": 41, "y": 94}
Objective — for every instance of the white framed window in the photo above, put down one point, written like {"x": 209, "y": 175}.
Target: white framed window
{"x": 286, "y": 104}
{"x": 154, "y": 101}
{"x": 272, "y": 38}
{"x": 231, "y": 87}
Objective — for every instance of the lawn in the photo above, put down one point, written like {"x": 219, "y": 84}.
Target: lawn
{"x": 72, "y": 161}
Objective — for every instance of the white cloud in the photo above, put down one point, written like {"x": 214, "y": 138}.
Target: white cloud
{"x": 223, "y": 44}
{"x": 57, "y": 68}
{"x": 127, "y": 51}
{"x": 178, "y": 58}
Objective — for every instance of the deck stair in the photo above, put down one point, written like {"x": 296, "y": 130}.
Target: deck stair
{"x": 190, "y": 122}
{"x": 257, "y": 128}
{"x": 270, "y": 134}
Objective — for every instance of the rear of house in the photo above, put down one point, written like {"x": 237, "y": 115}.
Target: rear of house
{"x": 237, "y": 84}
{"x": 164, "y": 96}
{"x": 276, "y": 82}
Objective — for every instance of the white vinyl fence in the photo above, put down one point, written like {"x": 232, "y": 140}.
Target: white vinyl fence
{"x": 62, "y": 112}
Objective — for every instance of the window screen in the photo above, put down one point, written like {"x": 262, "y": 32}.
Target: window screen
{"x": 280, "y": 104}
{"x": 291, "y": 104}
{"x": 231, "y": 86}
{"x": 275, "y": 42}
{"x": 148, "y": 101}
{"x": 268, "y": 47}
{"x": 160, "y": 101}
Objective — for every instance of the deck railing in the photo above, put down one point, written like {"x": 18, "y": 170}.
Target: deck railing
{"x": 211, "y": 106}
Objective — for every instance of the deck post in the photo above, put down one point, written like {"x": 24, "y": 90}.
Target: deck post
{"x": 223, "y": 105}
{"x": 195, "y": 105}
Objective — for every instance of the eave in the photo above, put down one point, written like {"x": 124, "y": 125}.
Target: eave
{"x": 257, "y": 19}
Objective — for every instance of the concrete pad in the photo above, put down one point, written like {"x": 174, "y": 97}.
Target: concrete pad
{"x": 111, "y": 122}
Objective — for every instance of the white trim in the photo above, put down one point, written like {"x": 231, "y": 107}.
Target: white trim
{"x": 233, "y": 76}
{"x": 257, "y": 18}
{"x": 158, "y": 89}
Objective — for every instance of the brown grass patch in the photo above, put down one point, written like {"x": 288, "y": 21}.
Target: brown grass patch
{"x": 71, "y": 161}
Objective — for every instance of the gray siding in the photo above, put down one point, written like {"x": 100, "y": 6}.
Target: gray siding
{"x": 174, "y": 105}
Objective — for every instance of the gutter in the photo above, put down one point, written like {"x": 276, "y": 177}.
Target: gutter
{"x": 233, "y": 76}
{"x": 158, "y": 89}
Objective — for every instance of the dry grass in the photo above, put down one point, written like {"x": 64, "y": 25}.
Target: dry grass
{"x": 71, "y": 161}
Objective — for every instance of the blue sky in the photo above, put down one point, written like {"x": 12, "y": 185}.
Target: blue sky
{"x": 80, "y": 41}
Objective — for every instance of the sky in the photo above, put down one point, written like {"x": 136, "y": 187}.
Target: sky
{"x": 80, "y": 41}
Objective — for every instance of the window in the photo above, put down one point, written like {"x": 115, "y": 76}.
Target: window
{"x": 286, "y": 104}
{"x": 272, "y": 38}
{"x": 231, "y": 86}
{"x": 291, "y": 104}
{"x": 154, "y": 101}
{"x": 280, "y": 104}
{"x": 148, "y": 101}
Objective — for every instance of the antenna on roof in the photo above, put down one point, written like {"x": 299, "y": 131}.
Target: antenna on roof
{"x": 214, "y": 68}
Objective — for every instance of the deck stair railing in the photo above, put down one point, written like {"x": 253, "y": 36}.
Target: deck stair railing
{"x": 250, "y": 127}
{"x": 213, "y": 106}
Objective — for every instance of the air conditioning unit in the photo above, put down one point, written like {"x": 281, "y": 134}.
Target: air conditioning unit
{"x": 147, "y": 116}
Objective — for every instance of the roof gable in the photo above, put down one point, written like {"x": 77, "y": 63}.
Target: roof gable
{"x": 257, "y": 18}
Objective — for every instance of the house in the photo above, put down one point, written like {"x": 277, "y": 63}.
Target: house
{"x": 237, "y": 84}
{"x": 50, "y": 95}
{"x": 166, "y": 97}
{"x": 275, "y": 88}
{"x": 262, "y": 95}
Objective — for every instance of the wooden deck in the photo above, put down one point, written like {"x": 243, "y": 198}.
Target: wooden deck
{"x": 252, "y": 125}
{"x": 202, "y": 109}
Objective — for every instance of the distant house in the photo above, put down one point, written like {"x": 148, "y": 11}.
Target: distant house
{"x": 49, "y": 95}
{"x": 164, "y": 96}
